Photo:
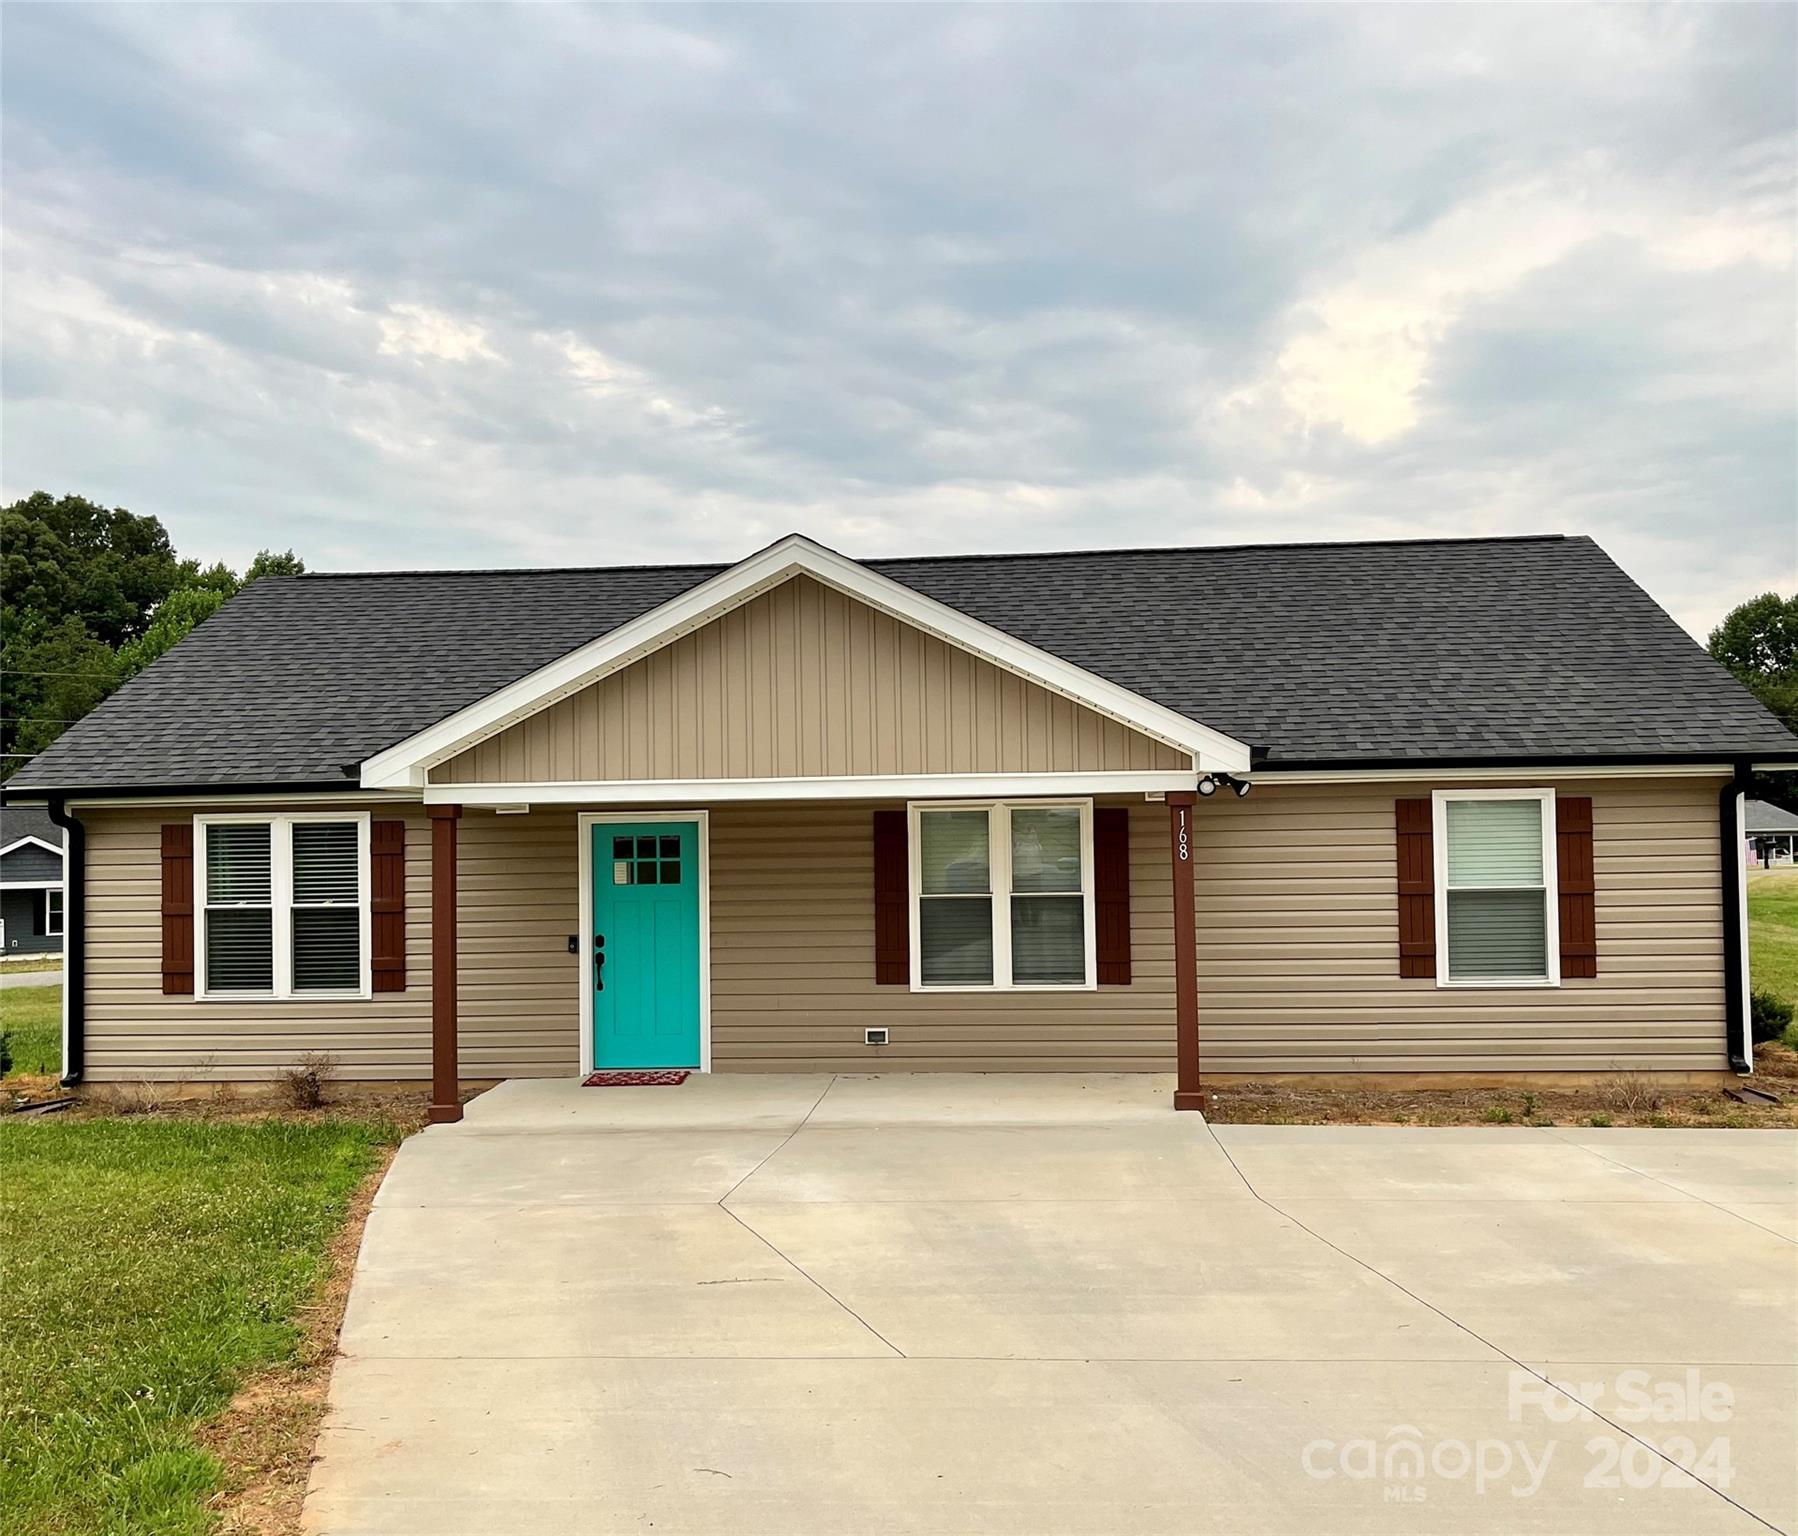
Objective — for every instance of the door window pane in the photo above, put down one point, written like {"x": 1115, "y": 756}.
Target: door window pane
{"x": 955, "y": 941}
{"x": 952, "y": 852}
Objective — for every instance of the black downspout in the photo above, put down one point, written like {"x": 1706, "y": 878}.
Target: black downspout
{"x": 74, "y": 940}
{"x": 1735, "y": 1001}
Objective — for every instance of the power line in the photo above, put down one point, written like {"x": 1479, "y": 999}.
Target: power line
{"x": 27, "y": 672}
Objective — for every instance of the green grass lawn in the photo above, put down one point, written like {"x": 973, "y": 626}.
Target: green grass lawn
{"x": 1773, "y": 932}
{"x": 32, "y": 1019}
{"x": 149, "y": 1265}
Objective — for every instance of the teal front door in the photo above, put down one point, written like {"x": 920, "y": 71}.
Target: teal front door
{"x": 646, "y": 944}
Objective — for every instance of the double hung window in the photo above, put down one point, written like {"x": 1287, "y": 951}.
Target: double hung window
{"x": 1002, "y": 895}
{"x": 283, "y": 905}
{"x": 1495, "y": 885}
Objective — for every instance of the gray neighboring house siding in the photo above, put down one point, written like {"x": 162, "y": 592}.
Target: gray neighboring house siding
{"x": 28, "y": 875}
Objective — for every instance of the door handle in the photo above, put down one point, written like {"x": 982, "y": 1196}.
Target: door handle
{"x": 599, "y": 962}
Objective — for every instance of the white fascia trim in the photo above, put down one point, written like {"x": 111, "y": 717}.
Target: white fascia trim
{"x": 714, "y": 791}
{"x": 1534, "y": 772}
{"x": 30, "y": 885}
{"x": 20, "y": 842}
{"x": 405, "y": 763}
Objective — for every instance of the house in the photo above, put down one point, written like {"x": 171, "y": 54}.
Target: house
{"x": 31, "y": 914}
{"x": 1772, "y": 833}
{"x": 1450, "y": 808}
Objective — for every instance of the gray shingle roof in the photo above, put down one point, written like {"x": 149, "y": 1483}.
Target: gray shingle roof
{"x": 1759, "y": 816}
{"x": 1341, "y": 654}
{"x": 18, "y": 821}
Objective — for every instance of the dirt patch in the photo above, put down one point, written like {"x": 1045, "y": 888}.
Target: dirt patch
{"x": 1629, "y": 1098}
{"x": 266, "y": 1436}
{"x": 401, "y": 1104}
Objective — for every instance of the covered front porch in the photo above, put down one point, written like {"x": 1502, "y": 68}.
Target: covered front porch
{"x": 751, "y": 935}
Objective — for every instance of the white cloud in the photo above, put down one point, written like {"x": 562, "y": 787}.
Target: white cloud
{"x": 541, "y": 284}
{"x": 420, "y": 331}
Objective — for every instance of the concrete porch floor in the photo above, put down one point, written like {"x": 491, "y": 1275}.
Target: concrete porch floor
{"x": 1035, "y": 1303}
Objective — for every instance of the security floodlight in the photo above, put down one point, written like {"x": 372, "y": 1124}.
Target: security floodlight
{"x": 1242, "y": 787}
{"x": 1207, "y": 785}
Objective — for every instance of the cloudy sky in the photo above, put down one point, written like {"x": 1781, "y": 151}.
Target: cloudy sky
{"x": 468, "y": 285}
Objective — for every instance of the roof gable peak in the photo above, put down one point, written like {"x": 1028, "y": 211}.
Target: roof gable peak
{"x": 404, "y": 764}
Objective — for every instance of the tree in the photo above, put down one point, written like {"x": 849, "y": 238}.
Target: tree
{"x": 91, "y": 596}
{"x": 1758, "y": 642}
{"x": 70, "y": 558}
{"x": 268, "y": 563}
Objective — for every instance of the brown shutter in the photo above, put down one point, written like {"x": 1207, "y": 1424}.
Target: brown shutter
{"x": 387, "y": 906}
{"x": 1111, "y": 891}
{"x": 892, "y": 901}
{"x": 1416, "y": 890}
{"x": 178, "y": 908}
{"x": 1578, "y": 900}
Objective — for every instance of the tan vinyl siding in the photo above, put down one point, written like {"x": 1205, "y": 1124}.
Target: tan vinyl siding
{"x": 135, "y": 1032}
{"x": 1298, "y": 955}
{"x": 1298, "y": 942}
{"x": 805, "y": 682}
{"x": 793, "y": 964}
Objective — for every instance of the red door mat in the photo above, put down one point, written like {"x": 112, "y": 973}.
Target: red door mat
{"x": 633, "y": 1079}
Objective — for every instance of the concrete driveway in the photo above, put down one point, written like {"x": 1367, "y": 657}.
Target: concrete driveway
{"x": 1040, "y": 1305}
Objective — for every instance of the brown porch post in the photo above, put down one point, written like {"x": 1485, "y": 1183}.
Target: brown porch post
{"x": 446, "y": 1104}
{"x": 1187, "y": 1093}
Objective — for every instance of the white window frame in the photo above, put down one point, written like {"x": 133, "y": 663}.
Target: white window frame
{"x": 53, "y": 912}
{"x": 281, "y": 905}
{"x": 998, "y": 833}
{"x": 1439, "y": 803}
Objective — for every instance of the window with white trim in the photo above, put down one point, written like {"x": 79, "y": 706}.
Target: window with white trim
{"x": 53, "y": 914}
{"x": 283, "y": 905}
{"x": 1496, "y": 920}
{"x": 1002, "y": 895}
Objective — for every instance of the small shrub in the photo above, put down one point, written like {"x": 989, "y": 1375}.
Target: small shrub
{"x": 1659, "y": 1122}
{"x": 1634, "y": 1093}
{"x": 1529, "y": 1105}
{"x": 306, "y": 1084}
{"x": 1497, "y": 1115}
{"x": 1769, "y": 1016}
{"x": 1599, "y": 1121}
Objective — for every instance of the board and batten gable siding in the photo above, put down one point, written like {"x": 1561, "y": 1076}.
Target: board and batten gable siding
{"x": 802, "y": 682}
{"x": 1298, "y": 954}
{"x": 30, "y": 862}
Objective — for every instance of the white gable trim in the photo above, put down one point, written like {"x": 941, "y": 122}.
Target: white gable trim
{"x": 404, "y": 764}
{"x": 20, "y": 842}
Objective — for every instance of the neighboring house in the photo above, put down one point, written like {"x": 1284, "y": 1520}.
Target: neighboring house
{"x": 805, "y": 813}
{"x": 31, "y": 914}
{"x": 1772, "y": 833}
